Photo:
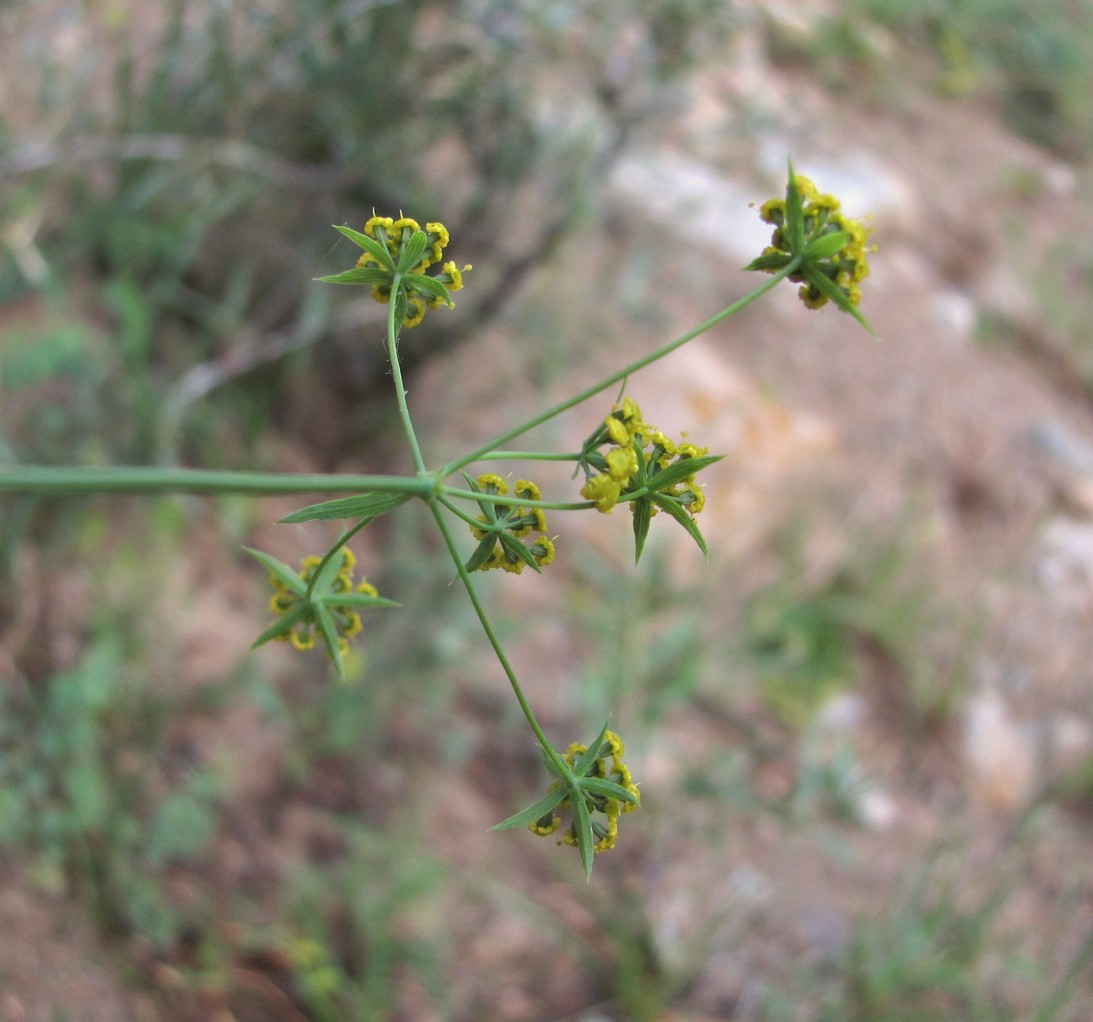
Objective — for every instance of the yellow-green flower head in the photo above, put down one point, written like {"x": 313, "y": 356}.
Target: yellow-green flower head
{"x": 404, "y": 249}
{"x": 504, "y": 529}
{"x": 292, "y": 602}
{"x": 604, "y": 810}
{"x": 831, "y": 250}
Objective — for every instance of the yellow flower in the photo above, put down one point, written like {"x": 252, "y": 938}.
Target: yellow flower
{"x": 604, "y": 491}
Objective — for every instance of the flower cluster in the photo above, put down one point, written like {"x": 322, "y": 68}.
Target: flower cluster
{"x": 502, "y": 528}
{"x": 400, "y": 248}
{"x": 322, "y": 601}
{"x": 285, "y": 601}
{"x": 608, "y": 766}
{"x": 831, "y": 248}
{"x": 645, "y": 468}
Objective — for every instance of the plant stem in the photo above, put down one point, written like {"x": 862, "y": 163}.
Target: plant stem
{"x": 621, "y": 374}
{"x": 512, "y": 499}
{"x": 548, "y": 749}
{"x": 396, "y": 374}
{"x": 48, "y": 480}
{"x": 530, "y": 456}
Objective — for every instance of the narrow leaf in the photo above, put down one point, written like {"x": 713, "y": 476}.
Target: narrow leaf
{"x": 586, "y": 844}
{"x": 643, "y": 515}
{"x": 826, "y": 245}
{"x": 358, "y": 275}
{"x": 794, "y": 230}
{"x": 329, "y": 632}
{"x": 281, "y": 571}
{"x": 680, "y": 470}
{"x": 515, "y": 548}
{"x": 483, "y": 552}
{"x": 412, "y": 251}
{"x": 772, "y": 261}
{"x": 609, "y": 789}
{"x": 833, "y": 292}
{"x": 685, "y": 518}
{"x": 591, "y": 754}
{"x": 370, "y": 245}
{"x": 282, "y": 626}
{"x": 367, "y": 505}
{"x": 354, "y": 600}
{"x": 428, "y": 286}
{"x": 534, "y": 811}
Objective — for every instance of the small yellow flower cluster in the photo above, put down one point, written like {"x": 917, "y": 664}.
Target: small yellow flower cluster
{"x": 347, "y": 622}
{"x": 821, "y": 215}
{"x": 395, "y": 235}
{"x": 606, "y": 831}
{"x": 620, "y": 471}
{"x": 505, "y": 526}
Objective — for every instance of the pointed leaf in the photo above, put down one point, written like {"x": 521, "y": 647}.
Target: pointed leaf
{"x": 591, "y": 754}
{"x": 281, "y": 571}
{"x": 609, "y": 789}
{"x": 412, "y": 251}
{"x": 643, "y": 515}
{"x": 680, "y": 470}
{"x": 282, "y": 626}
{"x": 833, "y": 292}
{"x": 483, "y": 552}
{"x": 534, "y": 811}
{"x": 515, "y": 548}
{"x": 826, "y": 245}
{"x": 329, "y": 631}
{"x": 358, "y": 275}
{"x": 794, "y": 231}
{"x": 367, "y": 505}
{"x": 340, "y": 600}
{"x": 586, "y": 843}
{"x": 684, "y": 517}
{"x": 370, "y": 245}
{"x": 428, "y": 286}
{"x": 772, "y": 261}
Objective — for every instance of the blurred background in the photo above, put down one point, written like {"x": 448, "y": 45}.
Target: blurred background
{"x": 863, "y": 731}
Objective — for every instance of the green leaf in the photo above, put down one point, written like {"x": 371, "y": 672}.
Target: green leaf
{"x": 773, "y": 261}
{"x": 591, "y": 754}
{"x": 370, "y": 245}
{"x": 359, "y": 275}
{"x": 338, "y": 600}
{"x": 412, "y": 251}
{"x": 684, "y": 517}
{"x": 329, "y": 631}
{"x": 428, "y": 286}
{"x": 826, "y": 245}
{"x": 609, "y": 789}
{"x": 368, "y": 505}
{"x": 680, "y": 470}
{"x": 586, "y": 844}
{"x": 834, "y": 293}
{"x": 514, "y": 547}
{"x": 483, "y": 552}
{"x": 643, "y": 515}
{"x": 281, "y": 571}
{"x": 282, "y": 626}
{"x": 534, "y": 811}
{"x": 794, "y": 231}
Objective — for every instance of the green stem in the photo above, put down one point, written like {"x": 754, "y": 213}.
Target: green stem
{"x": 50, "y": 481}
{"x": 396, "y": 374}
{"x": 512, "y": 499}
{"x": 621, "y": 374}
{"x": 548, "y": 749}
{"x": 530, "y": 456}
